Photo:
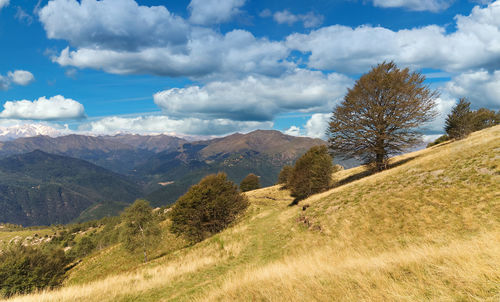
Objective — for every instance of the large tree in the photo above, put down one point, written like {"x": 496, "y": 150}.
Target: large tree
{"x": 381, "y": 114}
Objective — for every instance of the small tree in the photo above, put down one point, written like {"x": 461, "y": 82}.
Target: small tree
{"x": 312, "y": 173}
{"x": 207, "y": 208}
{"x": 380, "y": 115}
{"x": 284, "y": 175}
{"x": 458, "y": 123}
{"x": 140, "y": 230}
{"x": 249, "y": 183}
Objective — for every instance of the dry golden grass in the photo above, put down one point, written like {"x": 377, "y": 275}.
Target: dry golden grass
{"x": 425, "y": 230}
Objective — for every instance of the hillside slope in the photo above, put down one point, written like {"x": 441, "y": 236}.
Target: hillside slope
{"x": 38, "y": 188}
{"x": 426, "y": 230}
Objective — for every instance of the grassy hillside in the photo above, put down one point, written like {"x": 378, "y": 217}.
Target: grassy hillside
{"x": 426, "y": 230}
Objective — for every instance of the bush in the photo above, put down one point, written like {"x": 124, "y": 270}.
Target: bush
{"x": 207, "y": 208}
{"x": 312, "y": 173}
{"x": 83, "y": 248}
{"x": 26, "y": 269}
{"x": 284, "y": 175}
{"x": 439, "y": 140}
{"x": 249, "y": 183}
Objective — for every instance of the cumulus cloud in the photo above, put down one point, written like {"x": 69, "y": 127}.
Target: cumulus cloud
{"x": 256, "y": 98}
{"x": 474, "y": 44}
{"x": 4, "y": 3}
{"x": 161, "y": 124}
{"x": 481, "y": 87}
{"x": 309, "y": 20}
{"x": 416, "y": 5}
{"x": 316, "y": 126}
{"x": 235, "y": 53}
{"x": 109, "y": 24}
{"x": 54, "y": 108}
{"x": 206, "y": 12}
{"x": 19, "y": 77}
{"x": 293, "y": 130}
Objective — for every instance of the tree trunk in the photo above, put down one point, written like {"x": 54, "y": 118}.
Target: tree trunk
{"x": 144, "y": 245}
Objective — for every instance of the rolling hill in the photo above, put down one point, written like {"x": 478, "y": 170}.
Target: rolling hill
{"x": 41, "y": 188}
{"x": 425, "y": 230}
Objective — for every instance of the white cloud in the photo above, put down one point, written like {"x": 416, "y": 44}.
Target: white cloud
{"x": 256, "y": 98}
{"x": 54, "y": 108}
{"x": 475, "y": 44}
{"x": 293, "y": 130}
{"x": 3, "y": 3}
{"x": 318, "y": 123}
{"x": 113, "y": 24}
{"x": 21, "y": 77}
{"x": 309, "y": 20}
{"x": 161, "y": 124}
{"x": 416, "y": 5}
{"x": 206, "y": 12}
{"x": 482, "y": 88}
{"x": 235, "y": 53}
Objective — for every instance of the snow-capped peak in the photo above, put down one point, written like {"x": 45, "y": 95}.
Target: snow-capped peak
{"x": 28, "y": 130}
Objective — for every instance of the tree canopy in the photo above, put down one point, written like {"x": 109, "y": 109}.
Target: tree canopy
{"x": 381, "y": 114}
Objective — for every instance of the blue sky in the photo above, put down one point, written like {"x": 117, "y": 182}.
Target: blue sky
{"x": 212, "y": 67}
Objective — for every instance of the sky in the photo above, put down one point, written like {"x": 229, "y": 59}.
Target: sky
{"x": 214, "y": 67}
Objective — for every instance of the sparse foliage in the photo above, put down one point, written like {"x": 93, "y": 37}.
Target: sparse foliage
{"x": 380, "y": 115}
{"x": 312, "y": 173}
{"x": 249, "y": 183}
{"x": 141, "y": 230}
{"x": 207, "y": 208}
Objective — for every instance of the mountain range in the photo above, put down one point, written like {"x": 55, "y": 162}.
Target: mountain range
{"x": 159, "y": 168}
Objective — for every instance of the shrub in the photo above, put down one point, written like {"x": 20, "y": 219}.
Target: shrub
{"x": 25, "y": 269}
{"x": 312, "y": 173}
{"x": 439, "y": 140}
{"x": 83, "y": 248}
{"x": 249, "y": 183}
{"x": 284, "y": 175}
{"x": 207, "y": 208}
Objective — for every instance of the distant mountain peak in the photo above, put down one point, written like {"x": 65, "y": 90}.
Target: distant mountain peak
{"x": 29, "y": 130}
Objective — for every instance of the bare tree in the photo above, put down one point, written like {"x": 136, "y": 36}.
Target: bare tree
{"x": 380, "y": 115}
